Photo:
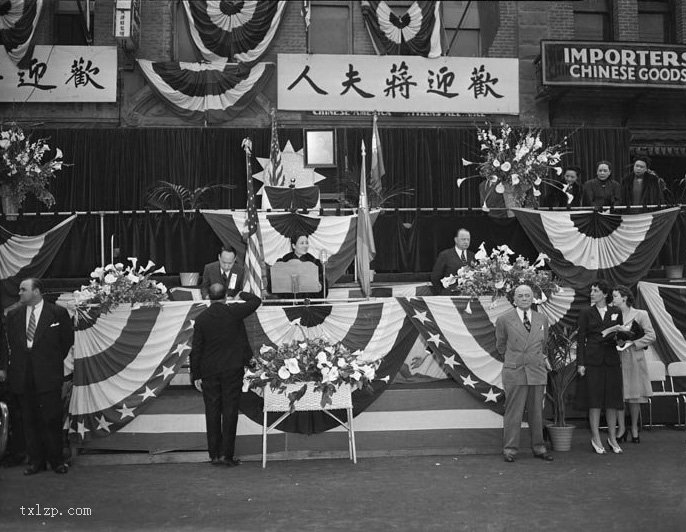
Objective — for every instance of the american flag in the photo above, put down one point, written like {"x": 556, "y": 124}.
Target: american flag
{"x": 254, "y": 255}
{"x": 277, "y": 178}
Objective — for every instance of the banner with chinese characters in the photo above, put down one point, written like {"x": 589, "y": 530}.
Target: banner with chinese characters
{"x": 401, "y": 84}
{"x": 620, "y": 64}
{"x": 61, "y": 74}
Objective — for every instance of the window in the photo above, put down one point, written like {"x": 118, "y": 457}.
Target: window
{"x": 70, "y": 23}
{"x": 465, "y": 41}
{"x": 655, "y": 21}
{"x": 330, "y": 28}
{"x": 592, "y": 20}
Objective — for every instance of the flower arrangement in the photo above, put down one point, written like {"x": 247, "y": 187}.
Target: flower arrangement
{"x": 114, "y": 284}
{"x": 496, "y": 275}
{"x": 22, "y": 168}
{"x": 326, "y": 364}
{"x": 517, "y": 163}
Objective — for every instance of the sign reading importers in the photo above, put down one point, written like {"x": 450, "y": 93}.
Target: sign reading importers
{"x": 61, "y": 74}
{"x": 400, "y": 84}
{"x": 592, "y": 64}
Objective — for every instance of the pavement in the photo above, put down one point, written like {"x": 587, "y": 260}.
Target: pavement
{"x": 642, "y": 489}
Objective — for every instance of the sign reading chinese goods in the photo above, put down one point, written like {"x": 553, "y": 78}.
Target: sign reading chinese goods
{"x": 61, "y": 74}
{"x": 401, "y": 84}
{"x": 575, "y": 63}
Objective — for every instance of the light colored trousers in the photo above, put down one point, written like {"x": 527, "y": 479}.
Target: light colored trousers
{"x": 518, "y": 396}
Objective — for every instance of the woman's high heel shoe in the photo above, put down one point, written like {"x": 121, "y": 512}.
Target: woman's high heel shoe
{"x": 623, "y": 437}
{"x": 615, "y": 447}
{"x": 599, "y": 449}
{"x": 635, "y": 439}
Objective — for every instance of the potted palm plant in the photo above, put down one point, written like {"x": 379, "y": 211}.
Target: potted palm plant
{"x": 561, "y": 352}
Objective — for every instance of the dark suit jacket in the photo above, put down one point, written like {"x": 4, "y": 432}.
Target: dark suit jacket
{"x": 213, "y": 274}
{"x": 592, "y": 349}
{"x": 51, "y": 342}
{"x": 218, "y": 343}
{"x": 447, "y": 263}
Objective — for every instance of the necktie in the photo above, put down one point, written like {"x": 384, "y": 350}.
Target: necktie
{"x": 31, "y": 329}
{"x": 526, "y": 322}
{"x": 464, "y": 256}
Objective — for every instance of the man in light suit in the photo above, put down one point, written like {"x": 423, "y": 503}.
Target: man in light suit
{"x": 224, "y": 271}
{"x": 39, "y": 336}
{"x": 521, "y": 336}
{"x": 450, "y": 260}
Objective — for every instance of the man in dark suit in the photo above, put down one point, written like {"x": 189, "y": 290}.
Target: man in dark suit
{"x": 521, "y": 336}
{"x": 224, "y": 271}
{"x": 450, "y": 260}
{"x": 39, "y": 336}
{"x": 217, "y": 362}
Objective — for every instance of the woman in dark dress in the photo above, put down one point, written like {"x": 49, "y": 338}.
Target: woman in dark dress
{"x": 300, "y": 245}
{"x": 598, "y": 363}
{"x": 603, "y": 191}
{"x": 642, "y": 186}
{"x": 570, "y": 185}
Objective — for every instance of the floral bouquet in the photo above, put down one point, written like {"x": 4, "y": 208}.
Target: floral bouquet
{"x": 516, "y": 164}
{"x": 495, "y": 275}
{"x": 22, "y": 168}
{"x": 115, "y": 284}
{"x": 326, "y": 364}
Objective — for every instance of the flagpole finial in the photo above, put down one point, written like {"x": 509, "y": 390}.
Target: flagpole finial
{"x": 247, "y": 145}
{"x": 363, "y": 149}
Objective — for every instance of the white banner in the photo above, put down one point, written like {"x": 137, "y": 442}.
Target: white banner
{"x": 61, "y": 74}
{"x": 402, "y": 84}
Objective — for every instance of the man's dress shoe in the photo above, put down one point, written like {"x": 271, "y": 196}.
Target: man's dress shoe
{"x": 544, "y": 456}
{"x": 32, "y": 469}
{"x": 61, "y": 469}
{"x": 508, "y": 458}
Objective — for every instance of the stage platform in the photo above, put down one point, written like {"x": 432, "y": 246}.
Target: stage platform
{"x": 429, "y": 418}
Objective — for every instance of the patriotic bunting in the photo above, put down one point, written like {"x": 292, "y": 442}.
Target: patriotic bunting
{"x": 417, "y": 32}
{"x": 124, "y": 361}
{"x": 240, "y": 30}
{"x": 27, "y": 256}
{"x": 18, "y": 21}
{"x": 666, "y": 305}
{"x": 335, "y": 234}
{"x": 585, "y": 246}
{"x": 214, "y": 92}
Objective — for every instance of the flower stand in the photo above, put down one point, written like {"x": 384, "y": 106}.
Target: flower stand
{"x": 311, "y": 401}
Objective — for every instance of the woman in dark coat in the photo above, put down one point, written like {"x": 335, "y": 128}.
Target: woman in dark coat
{"x": 570, "y": 185}
{"x": 598, "y": 363}
{"x": 642, "y": 186}
{"x": 603, "y": 191}
{"x": 300, "y": 245}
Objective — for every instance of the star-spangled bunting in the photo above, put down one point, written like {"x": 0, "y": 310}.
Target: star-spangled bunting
{"x": 276, "y": 178}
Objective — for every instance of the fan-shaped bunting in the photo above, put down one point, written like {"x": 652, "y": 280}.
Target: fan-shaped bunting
{"x": 18, "y": 21}
{"x": 215, "y": 92}
{"x": 417, "y": 32}
{"x": 223, "y": 29}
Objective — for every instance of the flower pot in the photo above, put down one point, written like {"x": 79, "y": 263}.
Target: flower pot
{"x": 561, "y": 437}
{"x": 10, "y": 207}
{"x": 189, "y": 278}
{"x": 674, "y": 271}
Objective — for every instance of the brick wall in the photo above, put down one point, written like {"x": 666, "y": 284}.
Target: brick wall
{"x": 625, "y": 20}
{"x": 505, "y": 42}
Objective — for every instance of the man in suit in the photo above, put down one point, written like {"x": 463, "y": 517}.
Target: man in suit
{"x": 224, "y": 271}
{"x": 450, "y": 260}
{"x": 521, "y": 336}
{"x": 39, "y": 336}
{"x": 217, "y": 362}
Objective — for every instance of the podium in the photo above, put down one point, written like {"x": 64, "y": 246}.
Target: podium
{"x": 295, "y": 277}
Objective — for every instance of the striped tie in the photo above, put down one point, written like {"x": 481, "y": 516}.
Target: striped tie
{"x": 31, "y": 329}
{"x": 527, "y": 323}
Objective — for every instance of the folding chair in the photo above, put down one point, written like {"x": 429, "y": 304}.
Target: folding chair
{"x": 678, "y": 369}
{"x": 658, "y": 379}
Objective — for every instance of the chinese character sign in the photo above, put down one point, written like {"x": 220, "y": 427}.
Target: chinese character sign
{"x": 403, "y": 84}
{"x": 61, "y": 74}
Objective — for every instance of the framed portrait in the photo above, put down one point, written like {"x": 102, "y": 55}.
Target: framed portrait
{"x": 320, "y": 148}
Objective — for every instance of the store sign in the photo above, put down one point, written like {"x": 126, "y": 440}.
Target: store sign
{"x": 576, "y": 63}
{"x": 61, "y": 74}
{"x": 398, "y": 84}
{"x": 127, "y": 23}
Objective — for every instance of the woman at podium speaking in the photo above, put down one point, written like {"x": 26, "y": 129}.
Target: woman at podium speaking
{"x": 300, "y": 245}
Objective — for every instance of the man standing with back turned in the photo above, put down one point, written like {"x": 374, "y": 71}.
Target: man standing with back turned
{"x": 521, "y": 335}
{"x": 217, "y": 361}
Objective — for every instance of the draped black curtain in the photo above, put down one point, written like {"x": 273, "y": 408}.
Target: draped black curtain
{"x": 112, "y": 169}
{"x": 405, "y": 241}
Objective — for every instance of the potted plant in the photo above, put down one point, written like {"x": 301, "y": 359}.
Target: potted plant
{"x": 23, "y": 169}
{"x": 561, "y": 352}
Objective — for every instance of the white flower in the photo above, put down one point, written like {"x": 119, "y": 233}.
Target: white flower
{"x": 500, "y": 188}
{"x": 537, "y": 192}
{"x": 368, "y": 371}
{"x": 506, "y": 166}
{"x": 4, "y": 144}
{"x": 500, "y": 284}
{"x": 292, "y": 365}
{"x": 265, "y": 349}
{"x": 330, "y": 349}
{"x": 284, "y": 373}
{"x": 162, "y": 288}
{"x": 356, "y": 376}
{"x": 131, "y": 277}
{"x": 302, "y": 345}
{"x": 558, "y": 170}
{"x": 448, "y": 281}
{"x": 110, "y": 278}
{"x": 505, "y": 249}
{"x": 159, "y": 270}
{"x": 515, "y": 179}
{"x": 537, "y": 181}
{"x": 341, "y": 362}
{"x": 460, "y": 181}
{"x": 98, "y": 273}
{"x": 481, "y": 254}
{"x": 465, "y": 162}
{"x": 134, "y": 261}
{"x": 496, "y": 163}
